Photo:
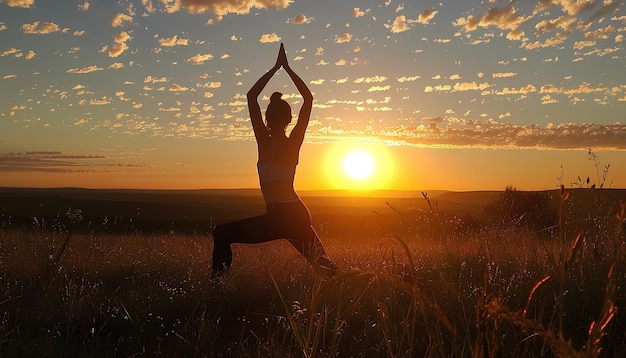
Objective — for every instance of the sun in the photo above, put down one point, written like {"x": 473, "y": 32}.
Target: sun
{"x": 358, "y": 165}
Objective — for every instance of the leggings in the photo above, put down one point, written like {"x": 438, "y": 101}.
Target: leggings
{"x": 291, "y": 221}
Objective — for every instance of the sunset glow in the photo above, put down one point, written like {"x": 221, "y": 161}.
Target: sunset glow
{"x": 359, "y": 165}
{"x": 350, "y": 165}
{"x": 153, "y": 93}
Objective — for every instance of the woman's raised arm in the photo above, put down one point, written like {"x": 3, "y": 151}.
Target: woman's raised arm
{"x": 260, "y": 130}
{"x": 305, "y": 111}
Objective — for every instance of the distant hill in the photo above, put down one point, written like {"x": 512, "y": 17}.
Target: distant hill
{"x": 200, "y": 209}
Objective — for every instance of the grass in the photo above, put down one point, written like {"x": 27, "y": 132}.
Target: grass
{"x": 428, "y": 287}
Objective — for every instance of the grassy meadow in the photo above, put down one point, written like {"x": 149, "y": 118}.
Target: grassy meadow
{"x": 483, "y": 274}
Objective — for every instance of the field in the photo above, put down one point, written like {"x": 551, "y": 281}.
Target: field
{"x": 126, "y": 273}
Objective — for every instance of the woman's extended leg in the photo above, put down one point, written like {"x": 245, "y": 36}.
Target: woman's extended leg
{"x": 308, "y": 243}
{"x": 301, "y": 234}
{"x": 251, "y": 230}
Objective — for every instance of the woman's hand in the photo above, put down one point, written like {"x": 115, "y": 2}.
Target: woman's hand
{"x": 282, "y": 58}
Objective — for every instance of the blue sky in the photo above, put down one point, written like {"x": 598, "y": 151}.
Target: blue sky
{"x": 151, "y": 93}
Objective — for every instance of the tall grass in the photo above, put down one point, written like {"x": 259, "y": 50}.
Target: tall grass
{"x": 429, "y": 288}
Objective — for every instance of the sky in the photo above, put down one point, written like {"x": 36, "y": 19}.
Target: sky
{"x": 444, "y": 95}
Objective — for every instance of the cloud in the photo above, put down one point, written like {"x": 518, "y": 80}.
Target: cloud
{"x": 12, "y": 51}
{"x": 426, "y": 15}
{"x": 119, "y": 44}
{"x": 300, "y": 19}
{"x": 566, "y": 23}
{"x": 344, "y": 38}
{"x": 150, "y": 79}
{"x": 6, "y": 77}
{"x": 378, "y": 88}
{"x": 84, "y": 6}
{"x": 212, "y": 85}
{"x": 357, "y": 12}
{"x": 579, "y": 45}
{"x": 176, "y": 88}
{"x": 116, "y": 66}
{"x": 515, "y": 91}
{"x": 451, "y": 132}
{"x": 266, "y": 38}
{"x": 573, "y": 7}
{"x": 40, "y": 28}
{"x": 27, "y": 4}
{"x": 224, "y": 7}
{"x": 505, "y": 18}
{"x": 515, "y": 35}
{"x": 87, "y": 69}
{"x": 199, "y": 59}
{"x": 372, "y": 79}
{"x": 99, "y": 102}
{"x": 407, "y": 79}
{"x": 119, "y": 20}
{"x": 471, "y": 86}
{"x": 602, "y": 33}
{"x": 173, "y": 41}
{"x": 47, "y": 161}
{"x": 503, "y": 74}
{"x": 399, "y": 24}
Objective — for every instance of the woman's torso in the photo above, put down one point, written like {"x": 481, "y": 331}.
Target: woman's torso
{"x": 277, "y": 168}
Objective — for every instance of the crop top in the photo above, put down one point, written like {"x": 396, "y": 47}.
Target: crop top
{"x": 276, "y": 180}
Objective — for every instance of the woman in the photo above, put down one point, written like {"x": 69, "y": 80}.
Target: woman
{"x": 287, "y": 217}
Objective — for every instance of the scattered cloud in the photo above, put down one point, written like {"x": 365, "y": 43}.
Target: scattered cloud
{"x": 119, "y": 44}
{"x": 173, "y": 41}
{"x": 12, "y": 51}
{"x": 99, "y": 102}
{"x": 199, "y": 59}
{"x": 224, "y": 7}
{"x": 176, "y": 88}
{"x": 265, "y": 38}
{"x": 150, "y": 79}
{"x": 300, "y": 19}
{"x": 40, "y": 28}
{"x": 372, "y": 79}
{"x": 49, "y": 161}
{"x": 119, "y": 20}
{"x": 346, "y": 37}
{"x": 452, "y": 132}
{"x": 426, "y": 15}
{"x": 399, "y": 24}
{"x": 84, "y": 6}
{"x": 504, "y": 18}
{"x": 357, "y": 12}
{"x": 19, "y": 3}
{"x": 503, "y": 74}
{"x": 87, "y": 69}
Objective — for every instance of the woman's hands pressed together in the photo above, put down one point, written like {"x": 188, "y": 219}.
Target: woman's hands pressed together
{"x": 282, "y": 58}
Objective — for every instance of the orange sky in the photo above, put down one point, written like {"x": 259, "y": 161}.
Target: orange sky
{"x": 458, "y": 95}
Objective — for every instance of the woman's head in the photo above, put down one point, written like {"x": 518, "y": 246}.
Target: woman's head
{"x": 278, "y": 113}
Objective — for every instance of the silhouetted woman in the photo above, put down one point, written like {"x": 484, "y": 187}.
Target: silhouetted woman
{"x": 287, "y": 217}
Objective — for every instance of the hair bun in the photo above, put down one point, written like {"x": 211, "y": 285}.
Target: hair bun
{"x": 276, "y": 96}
